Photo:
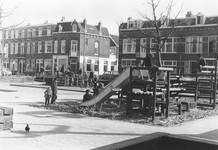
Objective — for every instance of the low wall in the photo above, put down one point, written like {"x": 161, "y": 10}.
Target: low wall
{"x": 6, "y": 118}
{"x": 16, "y": 79}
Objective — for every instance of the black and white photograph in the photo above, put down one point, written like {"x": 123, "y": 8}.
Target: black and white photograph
{"x": 108, "y": 75}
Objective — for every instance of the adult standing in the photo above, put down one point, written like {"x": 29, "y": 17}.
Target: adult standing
{"x": 91, "y": 77}
{"x": 200, "y": 62}
{"x": 54, "y": 91}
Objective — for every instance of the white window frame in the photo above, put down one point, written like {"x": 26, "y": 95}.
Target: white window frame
{"x": 128, "y": 62}
{"x": 39, "y": 47}
{"x": 96, "y": 46}
{"x": 143, "y": 44}
{"x": 74, "y": 46}
{"x": 170, "y": 64}
{"x": 63, "y": 46}
{"x": 74, "y": 28}
{"x": 12, "y": 48}
{"x": 48, "y": 45}
{"x": 33, "y": 49}
{"x": 40, "y": 32}
{"x": 16, "y": 33}
{"x": 129, "y": 45}
{"x": 23, "y": 33}
{"x": 190, "y": 43}
{"x": 22, "y": 48}
{"x": 16, "y": 48}
{"x": 12, "y": 34}
{"x": 6, "y": 34}
{"x": 56, "y": 46}
{"x": 28, "y": 48}
{"x": 33, "y": 32}
{"x": 49, "y": 31}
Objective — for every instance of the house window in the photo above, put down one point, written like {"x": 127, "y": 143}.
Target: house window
{"x": 29, "y": 33}
{"x": 128, "y": 62}
{"x": 12, "y": 48}
{"x": 55, "y": 46}
{"x": 170, "y": 64}
{"x": 153, "y": 45}
{"x": 113, "y": 51}
{"x": 129, "y": 45}
{"x": 74, "y": 27}
{"x": 12, "y": 34}
{"x": 33, "y": 32}
{"x": 73, "y": 46}
{"x": 60, "y": 28}
{"x": 63, "y": 46}
{"x": 33, "y": 48}
{"x": 23, "y": 33}
{"x": 28, "y": 48}
{"x": 47, "y": 64}
{"x": 48, "y": 31}
{"x": 96, "y": 64}
{"x": 6, "y": 34}
{"x": 28, "y": 65}
{"x": 88, "y": 65}
{"x": 22, "y": 49}
{"x": 194, "y": 44}
{"x": 17, "y": 34}
{"x": 48, "y": 46}
{"x": 6, "y": 63}
{"x": 143, "y": 45}
{"x": 169, "y": 46}
{"x": 40, "y": 32}
{"x": 96, "y": 48}
{"x": 39, "y": 47}
{"x": 33, "y": 64}
{"x": 6, "y": 47}
{"x": 113, "y": 64}
{"x": 16, "y": 48}
{"x": 39, "y": 63}
{"x": 105, "y": 65}
{"x": 212, "y": 44}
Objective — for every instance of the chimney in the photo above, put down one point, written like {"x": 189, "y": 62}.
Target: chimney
{"x": 84, "y": 23}
{"x": 63, "y": 18}
{"x": 189, "y": 14}
{"x": 99, "y": 27}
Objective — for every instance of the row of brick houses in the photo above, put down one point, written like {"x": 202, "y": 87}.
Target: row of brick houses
{"x": 73, "y": 44}
{"x": 191, "y": 35}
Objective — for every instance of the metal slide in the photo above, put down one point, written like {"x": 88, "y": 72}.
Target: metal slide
{"x": 118, "y": 83}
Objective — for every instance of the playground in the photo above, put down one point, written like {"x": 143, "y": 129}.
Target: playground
{"x": 154, "y": 102}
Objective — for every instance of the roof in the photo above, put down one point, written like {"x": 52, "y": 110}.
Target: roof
{"x": 114, "y": 40}
{"x": 91, "y": 29}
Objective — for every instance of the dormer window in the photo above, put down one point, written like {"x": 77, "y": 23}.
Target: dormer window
{"x": 134, "y": 24}
{"x": 60, "y": 28}
{"x": 74, "y": 28}
{"x": 200, "y": 19}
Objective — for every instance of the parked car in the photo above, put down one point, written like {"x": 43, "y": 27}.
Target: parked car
{"x": 6, "y": 72}
{"x": 108, "y": 76}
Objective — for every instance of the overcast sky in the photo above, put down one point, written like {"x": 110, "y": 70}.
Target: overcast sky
{"x": 109, "y": 12}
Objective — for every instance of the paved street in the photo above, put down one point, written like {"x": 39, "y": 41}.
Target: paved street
{"x": 62, "y": 131}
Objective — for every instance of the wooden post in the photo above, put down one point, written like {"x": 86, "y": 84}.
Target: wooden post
{"x": 130, "y": 94}
{"x": 168, "y": 93}
{"x": 154, "y": 93}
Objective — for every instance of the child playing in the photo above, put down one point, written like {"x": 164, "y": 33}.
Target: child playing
{"x": 87, "y": 96}
{"x": 47, "y": 95}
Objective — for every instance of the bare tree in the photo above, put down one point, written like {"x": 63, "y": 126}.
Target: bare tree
{"x": 159, "y": 27}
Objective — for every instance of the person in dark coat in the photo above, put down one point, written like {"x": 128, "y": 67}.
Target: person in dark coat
{"x": 200, "y": 62}
{"x": 87, "y": 96}
{"x": 80, "y": 71}
{"x": 91, "y": 77}
{"x": 54, "y": 91}
{"x": 147, "y": 60}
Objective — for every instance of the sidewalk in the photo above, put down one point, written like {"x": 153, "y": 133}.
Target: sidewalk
{"x": 42, "y": 85}
{"x": 55, "y": 130}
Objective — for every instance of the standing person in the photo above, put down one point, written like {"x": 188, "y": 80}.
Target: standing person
{"x": 47, "y": 95}
{"x": 80, "y": 71}
{"x": 63, "y": 69}
{"x": 200, "y": 62}
{"x": 91, "y": 77}
{"x": 54, "y": 91}
{"x": 147, "y": 62}
{"x": 85, "y": 77}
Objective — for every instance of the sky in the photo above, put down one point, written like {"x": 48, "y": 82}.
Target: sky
{"x": 109, "y": 12}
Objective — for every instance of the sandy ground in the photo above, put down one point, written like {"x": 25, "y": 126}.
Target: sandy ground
{"x": 62, "y": 131}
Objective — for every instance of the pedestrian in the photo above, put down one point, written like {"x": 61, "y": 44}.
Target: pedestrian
{"x": 85, "y": 77}
{"x": 47, "y": 95}
{"x": 80, "y": 71}
{"x": 91, "y": 77}
{"x": 54, "y": 91}
{"x": 200, "y": 62}
{"x": 63, "y": 70}
{"x": 147, "y": 62}
{"x": 87, "y": 96}
{"x": 98, "y": 89}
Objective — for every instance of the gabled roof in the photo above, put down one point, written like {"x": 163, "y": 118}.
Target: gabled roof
{"x": 114, "y": 40}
